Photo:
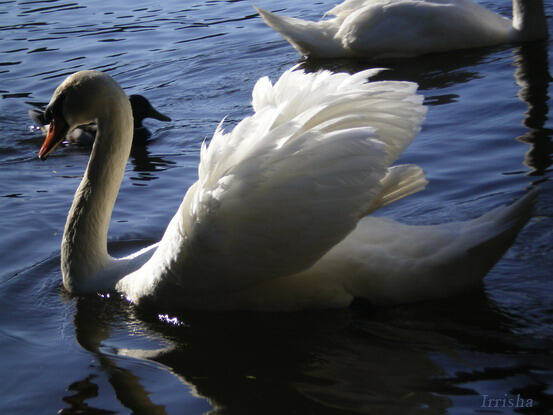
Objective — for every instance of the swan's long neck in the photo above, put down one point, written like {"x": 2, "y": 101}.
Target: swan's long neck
{"x": 84, "y": 254}
{"x": 529, "y": 19}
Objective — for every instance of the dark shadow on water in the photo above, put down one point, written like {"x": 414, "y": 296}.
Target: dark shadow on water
{"x": 82, "y": 391}
{"x": 92, "y": 326}
{"x": 418, "y": 359}
{"x": 433, "y": 71}
{"x": 144, "y": 164}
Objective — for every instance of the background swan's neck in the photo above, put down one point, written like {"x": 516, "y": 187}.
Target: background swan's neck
{"x": 85, "y": 259}
{"x": 529, "y": 19}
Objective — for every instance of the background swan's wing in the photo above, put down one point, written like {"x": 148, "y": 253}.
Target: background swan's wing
{"x": 291, "y": 181}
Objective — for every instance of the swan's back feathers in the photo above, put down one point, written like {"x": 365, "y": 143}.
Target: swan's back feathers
{"x": 292, "y": 180}
{"x": 344, "y": 9}
{"x": 347, "y": 7}
{"x": 426, "y": 26}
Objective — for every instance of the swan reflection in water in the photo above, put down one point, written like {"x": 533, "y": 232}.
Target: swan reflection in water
{"x": 264, "y": 362}
{"x": 358, "y": 360}
{"x": 532, "y": 75}
{"x": 432, "y": 72}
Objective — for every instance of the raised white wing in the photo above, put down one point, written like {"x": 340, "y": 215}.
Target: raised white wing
{"x": 291, "y": 181}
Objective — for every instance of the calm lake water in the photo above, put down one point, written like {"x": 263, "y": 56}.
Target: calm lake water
{"x": 486, "y": 140}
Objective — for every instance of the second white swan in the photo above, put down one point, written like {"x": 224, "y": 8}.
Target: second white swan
{"x": 403, "y": 28}
{"x": 277, "y": 219}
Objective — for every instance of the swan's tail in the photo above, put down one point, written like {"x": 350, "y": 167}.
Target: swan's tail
{"x": 502, "y": 225}
{"x": 483, "y": 241}
{"x": 314, "y": 39}
{"x": 408, "y": 263}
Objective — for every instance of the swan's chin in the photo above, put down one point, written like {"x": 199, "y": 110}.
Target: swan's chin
{"x": 56, "y": 132}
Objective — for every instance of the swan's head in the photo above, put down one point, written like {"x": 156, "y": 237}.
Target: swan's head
{"x": 80, "y": 99}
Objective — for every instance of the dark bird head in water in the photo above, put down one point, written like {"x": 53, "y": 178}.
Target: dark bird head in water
{"x": 141, "y": 109}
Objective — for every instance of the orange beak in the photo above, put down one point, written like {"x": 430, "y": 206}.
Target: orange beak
{"x": 56, "y": 133}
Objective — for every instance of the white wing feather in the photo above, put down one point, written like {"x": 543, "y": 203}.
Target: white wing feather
{"x": 289, "y": 182}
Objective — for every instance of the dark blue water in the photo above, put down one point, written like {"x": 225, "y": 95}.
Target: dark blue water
{"x": 486, "y": 139}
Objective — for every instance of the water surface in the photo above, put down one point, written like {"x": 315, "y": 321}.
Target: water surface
{"x": 486, "y": 140}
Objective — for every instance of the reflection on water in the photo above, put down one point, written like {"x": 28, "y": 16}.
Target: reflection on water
{"x": 411, "y": 359}
{"x": 532, "y": 75}
{"x": 429, "y": 71}
{"x": 92, "y": 327}
{"x": 144, "y": 164}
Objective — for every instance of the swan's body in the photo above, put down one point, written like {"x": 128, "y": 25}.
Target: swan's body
{"x": 277, "y": 218}
{"x": 85, "y": 134}
{"x": 404, "y": 28}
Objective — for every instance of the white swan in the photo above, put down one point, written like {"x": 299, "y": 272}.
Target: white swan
{"x": 277, "y": 217}
{"x": 404, "y": 28}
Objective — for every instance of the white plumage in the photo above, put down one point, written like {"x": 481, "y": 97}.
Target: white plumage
{"x": 404, "y": 28}
{"x": 277, "y": 217}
